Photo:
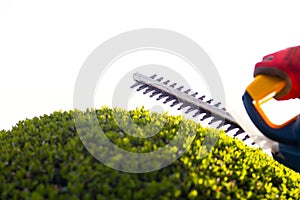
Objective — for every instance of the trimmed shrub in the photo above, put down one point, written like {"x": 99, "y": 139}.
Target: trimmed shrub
{"x": 44, "y": 158}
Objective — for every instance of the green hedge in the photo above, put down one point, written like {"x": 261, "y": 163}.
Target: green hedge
{"x": 44, "y": 158}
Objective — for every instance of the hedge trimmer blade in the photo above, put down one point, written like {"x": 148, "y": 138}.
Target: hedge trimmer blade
{"x": 185, "y": 98}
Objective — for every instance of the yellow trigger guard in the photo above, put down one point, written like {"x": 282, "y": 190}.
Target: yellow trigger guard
{"x": 263, "y": 89}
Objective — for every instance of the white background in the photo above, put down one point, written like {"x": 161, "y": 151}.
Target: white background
{"x": 44, "y": 44}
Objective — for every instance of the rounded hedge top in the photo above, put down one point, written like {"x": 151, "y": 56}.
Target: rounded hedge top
{"x": 44, "y": 158}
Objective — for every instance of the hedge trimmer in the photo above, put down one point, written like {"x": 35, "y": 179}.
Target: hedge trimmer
{"x": 262, "y": 89}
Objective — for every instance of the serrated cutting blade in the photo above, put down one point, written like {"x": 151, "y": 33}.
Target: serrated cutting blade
{"x": 164, "y": 89}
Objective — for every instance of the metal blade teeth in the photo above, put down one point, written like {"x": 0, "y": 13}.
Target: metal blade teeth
{"x": 168, "y": 100}
{"x": 166, "y": 82}
{"x": 202, "y": 97}
{"x": 206, "y": 116}
{"x": 156, "y": 92}
{"x": 238, "y": 132}
{"x": 153, "y": 76}
{"x": 160, "y": 79}
{"x": 142, "y": 87}
{"x": 195, "y": 94}
{"x": 180, "y": 88}
{"x": 148, "y": 90}
{"x": 220, "y": 125}
{"x": 175, "y": 103}
{"x": 217, "y": 104}
{"x": 135, "y": 85}
{"x": 187, "y": 91}
{"x": 163, "y": 95}
{"x": 183, "y": 106}
{"x": 173, "y": 85}
{"x": 231, "y": 127}
{"x": 192, "y": 108}
{"x": 209, "y": 101}
{"x": 199, "y": 112}
{"x": 215, "y": 119}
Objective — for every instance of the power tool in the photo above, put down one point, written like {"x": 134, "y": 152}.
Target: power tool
{"x": 286, "y": 148}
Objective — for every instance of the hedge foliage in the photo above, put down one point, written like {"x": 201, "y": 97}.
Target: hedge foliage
{"x": 44, "y": 158}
